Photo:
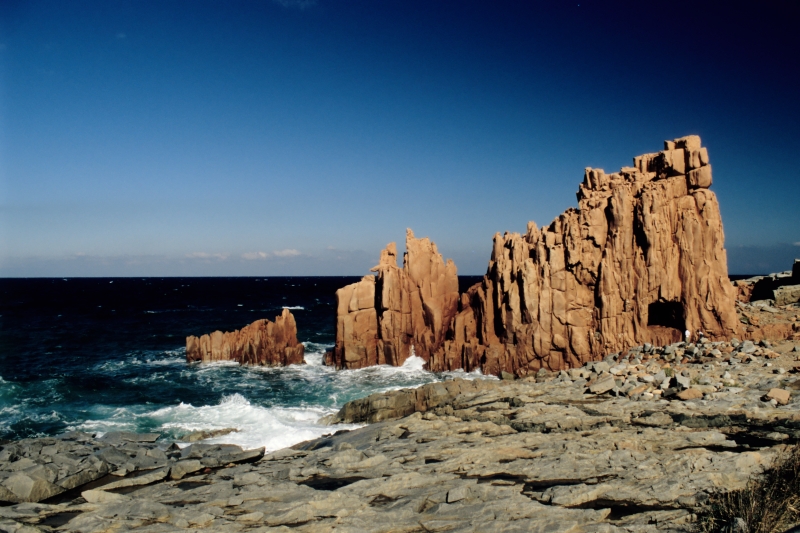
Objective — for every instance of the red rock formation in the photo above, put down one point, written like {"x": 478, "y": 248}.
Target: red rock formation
{"x": 744, "y": 290}
{"x": 640, "y": 260}
{"x": 261, "y": 343}
{"x": 382, "y": 318}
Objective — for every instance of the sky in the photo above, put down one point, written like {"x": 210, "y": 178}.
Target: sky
{"x": 299, "y": 137}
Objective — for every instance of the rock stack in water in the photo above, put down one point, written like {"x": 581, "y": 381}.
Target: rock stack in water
{"x": 385, "y": 318}
{"x": 261, "y": 343}
{"x": 640, "y": 260}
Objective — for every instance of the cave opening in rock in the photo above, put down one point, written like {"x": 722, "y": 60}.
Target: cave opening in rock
{"x": 666, "y": 314}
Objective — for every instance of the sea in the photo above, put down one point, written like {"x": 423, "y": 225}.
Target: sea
{"x": 108, "y": 354}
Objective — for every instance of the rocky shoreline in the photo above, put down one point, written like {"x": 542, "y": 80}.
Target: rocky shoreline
{"x": 636, "y": 442}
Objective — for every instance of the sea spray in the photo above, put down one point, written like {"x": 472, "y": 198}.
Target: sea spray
{"x": 95, "y": 370}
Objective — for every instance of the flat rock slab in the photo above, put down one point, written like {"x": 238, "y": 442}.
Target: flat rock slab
{"x": 542, "y": 454}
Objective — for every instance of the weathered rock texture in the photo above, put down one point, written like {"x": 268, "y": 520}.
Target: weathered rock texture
{"x": 783, "y": 287}
{"x": 640, "y": 260}
{"x": 261, "y": 343}
{"x": 385, "y": 318}
{"x": 530, "y": 455}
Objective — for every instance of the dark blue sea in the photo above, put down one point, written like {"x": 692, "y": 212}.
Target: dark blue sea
{"x": 108, "y": 354}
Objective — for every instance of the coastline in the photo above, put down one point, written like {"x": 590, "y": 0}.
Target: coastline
{"x": 550, "y": 451}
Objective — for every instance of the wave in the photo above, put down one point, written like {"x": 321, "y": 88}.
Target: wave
{"x": 294, "y": 307}
{"x": 271, "y": 427}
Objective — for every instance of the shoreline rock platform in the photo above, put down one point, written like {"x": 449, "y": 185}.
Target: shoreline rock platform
{"x": 633, "y": 443}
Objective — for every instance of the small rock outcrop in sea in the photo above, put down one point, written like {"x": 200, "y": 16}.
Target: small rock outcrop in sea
{"x": 261, "y": 343}
{"x": 385, "y": 318}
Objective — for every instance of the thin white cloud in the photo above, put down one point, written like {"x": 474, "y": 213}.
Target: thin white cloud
{"x": 288, "y": 252}
{"x": 121, "y": 35}
{"x": 252, "y": 256}
{"x": 797, "y": 244}
{"x": 206, "y": 255}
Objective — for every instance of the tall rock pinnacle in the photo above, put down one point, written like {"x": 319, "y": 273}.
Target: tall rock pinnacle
{"x": 381, "y": 318}
{"x": 640, "y": 260}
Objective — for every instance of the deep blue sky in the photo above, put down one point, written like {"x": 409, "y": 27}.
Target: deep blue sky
{"x": 299, "y": 137}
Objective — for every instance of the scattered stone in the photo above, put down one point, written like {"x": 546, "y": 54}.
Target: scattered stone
{"x": 781, "y": 396}
{"x": 690, "y": 394}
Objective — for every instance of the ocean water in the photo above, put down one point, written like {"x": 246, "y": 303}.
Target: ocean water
{"x": 108, "y": 354}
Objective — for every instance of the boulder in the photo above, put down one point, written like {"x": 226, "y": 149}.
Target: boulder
{"x": 261, "y": 343}
{"x": 25, "y": 487}
{"x": 181, "y": 468}
{"x": 788, "y": 294}
{"x": 603, "y": 384}
{"x": 782, "y": 396}
{"x": 690, "y": 394}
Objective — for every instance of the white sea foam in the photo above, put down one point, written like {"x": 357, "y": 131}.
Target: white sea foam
{"x": 294, "y": 307}
{"x": 271, "y": 427}
{"x": 272, "y": 407}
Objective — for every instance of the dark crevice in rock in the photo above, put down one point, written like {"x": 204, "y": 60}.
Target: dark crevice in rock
{"x": 58, "y": 519}
{"x": 716, "y": 448}
{"x": 381, "y": 500}
{"x": 329, "y": 483}
{"x": 711, "y": 421}
{"x": 188, "y": 485}
{"x": 747, "y": 439}
{"x": 621, "y": 510}
{"x": 69, "y": 495}
{"x": 495, "y": 477}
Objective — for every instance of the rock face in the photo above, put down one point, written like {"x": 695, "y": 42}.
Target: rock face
{"x": 261, "y": 343}
{"x": 640, "y": 260}
{"x": 385, "y": 318}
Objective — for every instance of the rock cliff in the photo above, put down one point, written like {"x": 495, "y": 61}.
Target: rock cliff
{"x": 385, "y": 318}
{"x": 261, "y": 343}
{"x": 639, "y": 261}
